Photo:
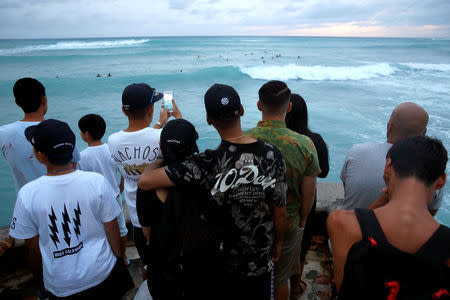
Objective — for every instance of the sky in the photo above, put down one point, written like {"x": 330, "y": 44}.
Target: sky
{"x": 121, "y": 18}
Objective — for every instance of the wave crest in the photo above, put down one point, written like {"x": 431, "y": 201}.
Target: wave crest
{"x": 319, "y": 72}
{"x": 74, "y": 45}
{"x": 428, "y": 67}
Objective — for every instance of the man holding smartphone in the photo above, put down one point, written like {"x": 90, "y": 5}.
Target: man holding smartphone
{"x": 136, "y": 147}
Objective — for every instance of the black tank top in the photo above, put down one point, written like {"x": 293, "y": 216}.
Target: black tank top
{"x": 377, "y": 270}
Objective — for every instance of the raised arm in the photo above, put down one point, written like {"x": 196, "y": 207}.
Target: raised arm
{"x": 153, "y": 179}
{"x": 113, "y": 234}
{"x": 308, "y": 190}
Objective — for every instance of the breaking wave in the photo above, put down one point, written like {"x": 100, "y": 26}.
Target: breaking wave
{"x": 428, "y": 67}
{"x": 74, "y": 45}
{"x": 319, "y": 72}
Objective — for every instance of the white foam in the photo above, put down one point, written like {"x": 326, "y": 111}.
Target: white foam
{"x": 73, "y": 45}
{"x": 319, "y": 72}
{"x": 428, "y": 67}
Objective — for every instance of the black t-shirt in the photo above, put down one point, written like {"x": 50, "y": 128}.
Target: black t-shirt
{"x": 246, "y": 181}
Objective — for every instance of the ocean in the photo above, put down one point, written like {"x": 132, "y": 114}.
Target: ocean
{"x": 351, "y": 85}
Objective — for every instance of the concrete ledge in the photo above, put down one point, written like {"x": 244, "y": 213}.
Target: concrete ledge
{"x": 329, "y": 197}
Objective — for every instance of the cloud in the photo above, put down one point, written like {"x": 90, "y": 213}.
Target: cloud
{"x": 86, "y": 18}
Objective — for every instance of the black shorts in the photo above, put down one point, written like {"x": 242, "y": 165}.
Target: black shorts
{"x": 113, "y": 287}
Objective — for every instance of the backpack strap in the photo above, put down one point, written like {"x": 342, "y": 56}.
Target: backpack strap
{"x": 370, "y": 227}
{"x": 438, "y": 246}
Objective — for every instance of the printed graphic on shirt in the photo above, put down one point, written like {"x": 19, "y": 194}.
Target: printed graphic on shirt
{"x": 127, "y": 157}
{"x": 246, "y": 175}
{"x": 246, "y": 181}
{"x": 70, "y": 225}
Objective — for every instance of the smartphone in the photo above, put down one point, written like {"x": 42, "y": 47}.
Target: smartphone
{"x": 168, "y": 96}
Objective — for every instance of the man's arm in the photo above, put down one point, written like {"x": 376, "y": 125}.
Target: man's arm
{"x": 344, "y": 230}
{"x": 35, "y": 259}
{"x": 153, "y": 179}
{"x": 279, "y": 222}
{"x": 308, "y": 191}
{"x": 122, "y": 184}
{"x": 113, "y": 234}
{"x": 382, "y": 200}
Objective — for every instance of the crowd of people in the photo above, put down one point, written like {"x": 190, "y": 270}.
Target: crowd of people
{"x": 229, "y": 223}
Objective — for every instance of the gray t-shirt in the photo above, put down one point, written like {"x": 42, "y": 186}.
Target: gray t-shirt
{"x": 18, "y": 152}
{"x": 362, "y": 175}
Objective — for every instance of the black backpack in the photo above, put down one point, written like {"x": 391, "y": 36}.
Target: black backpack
{"x": 376, "y": 270}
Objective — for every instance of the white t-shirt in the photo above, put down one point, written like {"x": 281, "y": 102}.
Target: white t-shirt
{"x": 98, "y": 159}
{"x": 362, "y": 174}
{"x": 68, "y": 212}
{"x": 133, "y": 152}
{"x": 18, "y": 152}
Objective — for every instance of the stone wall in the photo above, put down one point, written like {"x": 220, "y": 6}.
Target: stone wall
{"x": 329, "y": 196}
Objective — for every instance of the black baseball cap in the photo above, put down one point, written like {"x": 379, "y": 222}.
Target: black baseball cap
{"x": 139, "y": 95}
{"x": 222, "y": 102}
{"x": 54, "y": 138}
{"x": 178, "y": 139}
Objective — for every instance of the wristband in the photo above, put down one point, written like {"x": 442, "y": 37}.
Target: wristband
{"x": 159, "y": 124}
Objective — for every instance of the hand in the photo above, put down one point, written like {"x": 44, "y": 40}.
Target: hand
{"x": 302, "y": 223}
{"x": 277, "y": 250}
{"x": 158, "y": 163}
{"x": 384, "y": 195}
{"x": 164, "y": 115}
{"x": 176, "y": 112}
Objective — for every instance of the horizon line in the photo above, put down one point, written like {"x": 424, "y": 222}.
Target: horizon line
{"x": 211, "y": 36}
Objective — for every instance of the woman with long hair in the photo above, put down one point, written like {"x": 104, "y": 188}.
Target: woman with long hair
{"x": 181, "y": 225}
{"x": 297, "y": 120}
{"x": 160, "y": 215}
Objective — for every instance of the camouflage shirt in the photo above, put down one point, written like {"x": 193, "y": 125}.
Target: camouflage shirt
{"x": 301, "y": 160}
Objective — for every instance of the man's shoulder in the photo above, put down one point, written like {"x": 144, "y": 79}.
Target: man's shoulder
{"x": 101, "y": 150}
{"x": 31, "y": 188}
{"x": 272, "y": 132}
{"x": 343, "y": 221}
{"x": 32, "y": 185}
{"x": 115, "y": 136}
{"x": 11, "y": 128}
{"x": 89, "y": 175}
{"x": 283, "y": 136}
{"x": 119, "y": 135}
{"x": 369, "y": 147}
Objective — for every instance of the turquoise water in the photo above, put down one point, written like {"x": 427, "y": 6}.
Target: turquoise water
{"x": 351, "y": 85}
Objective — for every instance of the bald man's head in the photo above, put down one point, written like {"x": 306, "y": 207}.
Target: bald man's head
{"x": 407, "y": 119}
